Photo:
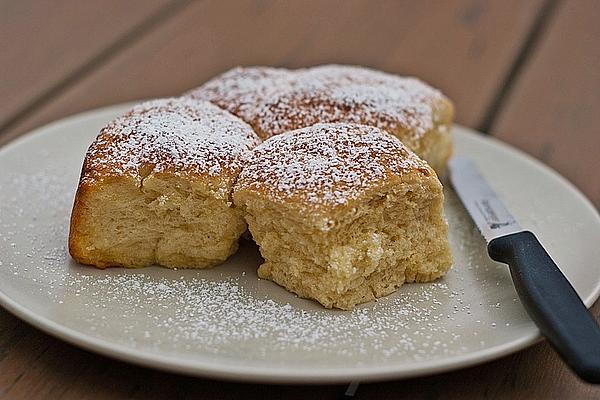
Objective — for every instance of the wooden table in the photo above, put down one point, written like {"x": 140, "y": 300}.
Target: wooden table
{"x": 526, "y": 72}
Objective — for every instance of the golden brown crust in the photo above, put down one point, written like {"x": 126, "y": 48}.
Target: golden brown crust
{"x": 194, "y": 140}
{"x": 326, "y": 166}
{"x": 274, "y": 101}
{"x": 162, "y": 139}
{"x": 176, "y": 134}
{"x": 343, "y": 213}
{"x": 75, "y": 242}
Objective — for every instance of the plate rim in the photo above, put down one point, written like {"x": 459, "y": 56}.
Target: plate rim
{"x": 276, "y": 374}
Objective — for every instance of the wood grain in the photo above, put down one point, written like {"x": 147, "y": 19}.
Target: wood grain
{"x": 44, "y": 42}
{"x": 553, "y": 111}
{"x": 451, "y": 44}
{"x": 466, "y": 47}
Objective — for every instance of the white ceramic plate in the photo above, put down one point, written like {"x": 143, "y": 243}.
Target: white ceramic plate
{"x": 226, "y": 323}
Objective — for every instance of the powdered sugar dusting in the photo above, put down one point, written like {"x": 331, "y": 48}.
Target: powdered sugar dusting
{"x": 242, "y": 90}
{"x": 243, "y": 318}
{"x": 176, "y": 134}
{"x": 227, "y": 312}
{"x": 278, "y": 100}
{"x": 227, "y": 316}
{"x": 327, "y": 164}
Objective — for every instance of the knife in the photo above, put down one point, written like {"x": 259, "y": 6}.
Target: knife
{"x": 546, "y": 294}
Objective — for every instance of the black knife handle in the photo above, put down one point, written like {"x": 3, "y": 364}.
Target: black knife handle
{"x": 551, "y": 302}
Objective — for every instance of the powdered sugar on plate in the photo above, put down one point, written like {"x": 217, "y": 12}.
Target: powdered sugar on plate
{"x": 227, "y": 316}
{"x": 228, "y": 312}
{"x": 226, "y": 322}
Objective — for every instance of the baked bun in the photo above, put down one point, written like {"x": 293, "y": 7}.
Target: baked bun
{"x": 275, "y": 101}
{"x": 343, "y": 213}
{"x": 156, "y": 187}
